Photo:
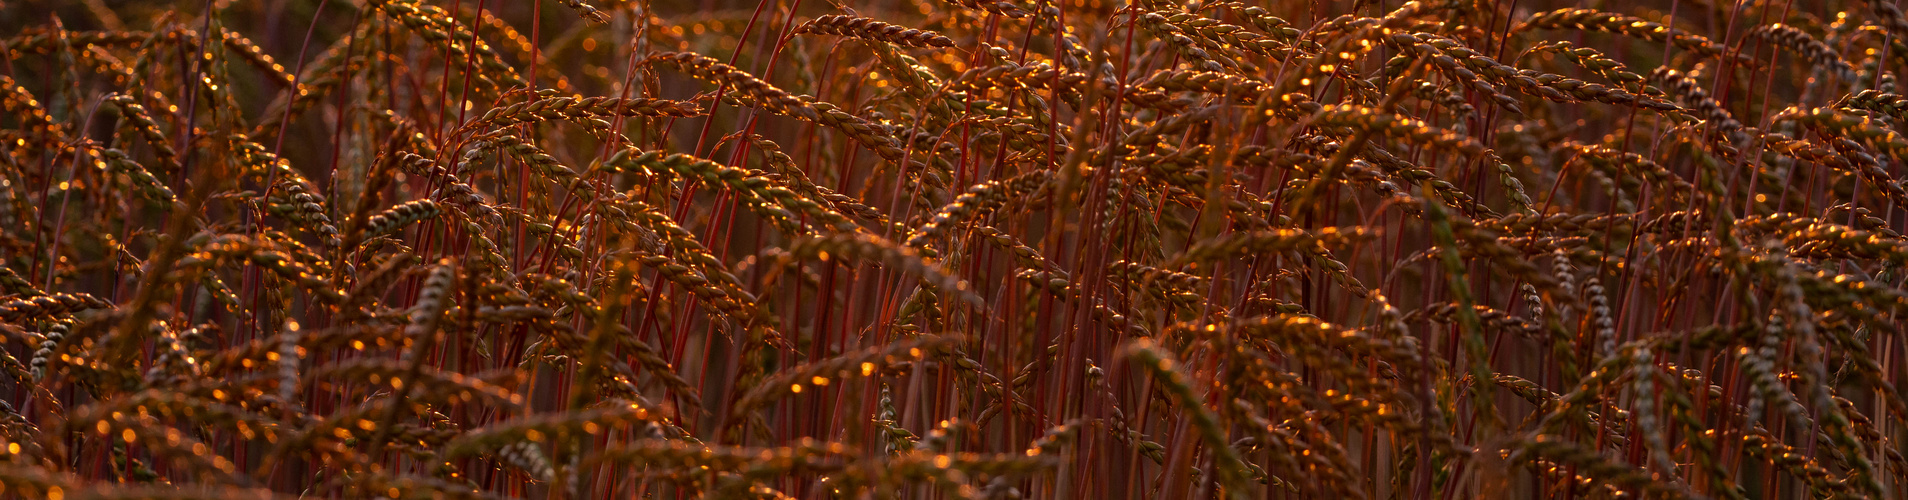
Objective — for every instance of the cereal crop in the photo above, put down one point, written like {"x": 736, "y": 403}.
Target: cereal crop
{"x": 939, "y": 249}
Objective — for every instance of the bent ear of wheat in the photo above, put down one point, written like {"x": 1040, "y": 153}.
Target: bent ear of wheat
{"x": 866, "y": 28}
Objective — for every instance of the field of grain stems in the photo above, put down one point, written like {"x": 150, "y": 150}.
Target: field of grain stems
{"x": 943, "y": 249}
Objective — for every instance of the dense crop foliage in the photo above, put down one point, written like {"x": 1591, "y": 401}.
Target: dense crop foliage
{"x": 1435, "y": 249}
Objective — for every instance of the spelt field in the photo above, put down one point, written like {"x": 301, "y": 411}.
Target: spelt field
{"x": 936, "y": 249}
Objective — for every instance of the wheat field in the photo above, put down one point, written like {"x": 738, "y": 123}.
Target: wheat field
{"x": 938, "y": 249}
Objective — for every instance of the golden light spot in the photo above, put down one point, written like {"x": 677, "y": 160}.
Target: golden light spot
{"x": 795, "y": 388}
{"x": 819, "y": 381}
{"x": 867, "y": 369}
